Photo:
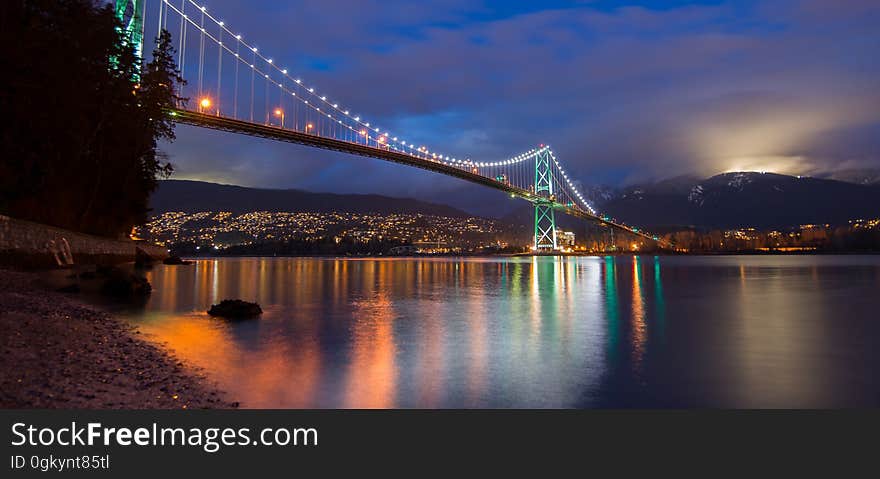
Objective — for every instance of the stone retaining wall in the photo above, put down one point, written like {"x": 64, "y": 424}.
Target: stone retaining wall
{"x": 32, "y": 245}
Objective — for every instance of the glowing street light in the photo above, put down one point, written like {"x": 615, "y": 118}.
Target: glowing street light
{"x": 309, "y": 127}
{"x": 204, "y": 104}
{"x": 279, "y": 112}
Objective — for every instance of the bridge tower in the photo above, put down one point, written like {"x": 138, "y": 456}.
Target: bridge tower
{"x": 545, "y": 218}
{"x": 130, "y": 14}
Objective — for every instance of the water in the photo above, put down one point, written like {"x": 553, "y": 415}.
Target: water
{"x": 723, "y": 331}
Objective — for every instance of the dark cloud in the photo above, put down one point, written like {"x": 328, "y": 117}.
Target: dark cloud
{"x": 627, "y": 92}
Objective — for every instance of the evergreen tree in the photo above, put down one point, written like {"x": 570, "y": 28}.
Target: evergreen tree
{"x": 81, "y": 117}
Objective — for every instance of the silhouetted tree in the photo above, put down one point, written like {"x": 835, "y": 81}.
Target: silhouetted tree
{"x": 80, "y": 116}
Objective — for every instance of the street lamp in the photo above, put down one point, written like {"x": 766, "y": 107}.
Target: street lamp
{"x": 309, "y": 127}
{"x": 280, "y": 112}
{"x": 204, "y": 104}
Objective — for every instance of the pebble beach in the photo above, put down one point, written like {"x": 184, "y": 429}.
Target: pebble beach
{"x": 56, "y": 351}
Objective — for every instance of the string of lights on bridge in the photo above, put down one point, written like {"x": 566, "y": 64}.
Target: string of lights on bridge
{"x": 366, "y": 128}
{"x": 570, "y": 185}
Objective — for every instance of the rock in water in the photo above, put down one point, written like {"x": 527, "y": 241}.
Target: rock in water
{"x": 142, "y": 259}
{"x": 235, "y": 308}
{"x": 121, "y": 284}
{"x": 175, "y": 260}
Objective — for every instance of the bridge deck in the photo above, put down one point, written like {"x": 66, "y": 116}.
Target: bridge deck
{"x": 232, "y": 125}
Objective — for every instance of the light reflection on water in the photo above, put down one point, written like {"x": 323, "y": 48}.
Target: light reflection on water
{"x": 727, "y": 331}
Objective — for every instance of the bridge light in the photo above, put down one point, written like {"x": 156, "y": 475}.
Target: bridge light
{"x": 309, "y": 126}
{"x": 238, "y": 37}
{"x": 363, "y": 132}
{"x": 298, "y": 80}
{"x": 269, "y": 60}
{"x": 323, "y": 98}
{"x": 284, "y": 71}
{"x": 311, "y": 90}
{"x": 221, "y": 23}
{"x": 205, "y": 102}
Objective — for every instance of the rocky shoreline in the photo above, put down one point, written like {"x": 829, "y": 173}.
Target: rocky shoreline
{"x": 58, "y": 352}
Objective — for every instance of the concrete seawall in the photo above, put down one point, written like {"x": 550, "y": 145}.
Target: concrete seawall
{"x": 24, "y": 244}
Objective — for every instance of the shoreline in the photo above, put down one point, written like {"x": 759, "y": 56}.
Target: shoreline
{"x": 525, "y": 255}
{"x": 57, "y": 351}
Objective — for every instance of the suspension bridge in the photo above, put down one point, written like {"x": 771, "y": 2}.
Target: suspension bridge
{"x": 235, "y": 87}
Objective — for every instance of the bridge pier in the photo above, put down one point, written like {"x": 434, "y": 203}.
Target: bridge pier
{"x": 545, "y": 227}
{"x": 545, "y": 218}
{"x": 131, "y": 14}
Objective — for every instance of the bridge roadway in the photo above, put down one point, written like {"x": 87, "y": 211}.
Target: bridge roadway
{"x": 232, "y": 125}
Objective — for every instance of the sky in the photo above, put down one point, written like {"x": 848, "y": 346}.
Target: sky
{"x": 624, "y": 91}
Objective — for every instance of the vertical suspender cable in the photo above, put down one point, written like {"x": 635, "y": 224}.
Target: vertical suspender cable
{"x": 235, "y": 82}
{"x": 219, "y": 68}
{"x": 253, "y": 62}
{"x": 159, "y": 29}
{"x": 201, "y": 51}
{"x": 181, "y": 51}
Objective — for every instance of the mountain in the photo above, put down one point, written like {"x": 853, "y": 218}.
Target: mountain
{"x": 193, "y": 196}
{"x": 859, "y": 176}
{"x": 744, "y": 199}
{"x": 729, "y": 200}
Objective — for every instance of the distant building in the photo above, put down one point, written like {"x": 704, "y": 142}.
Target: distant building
{"x": 564, "y": 238}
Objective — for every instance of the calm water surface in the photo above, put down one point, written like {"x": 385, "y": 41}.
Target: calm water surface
{"x": 724, "y": 331}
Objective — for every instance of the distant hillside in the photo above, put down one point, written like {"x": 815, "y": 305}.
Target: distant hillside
{"x": 744, "y": 199}
{"x": 861, "y": 176}
{"x": 728, "y": 200}
{"x": 193, "y": 196}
